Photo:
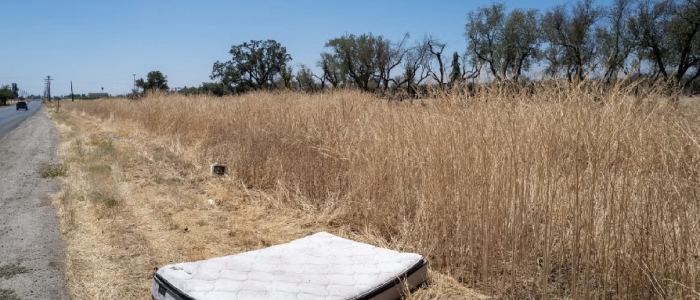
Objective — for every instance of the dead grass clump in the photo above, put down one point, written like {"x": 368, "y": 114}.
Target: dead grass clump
{"x": 565, "y": 192}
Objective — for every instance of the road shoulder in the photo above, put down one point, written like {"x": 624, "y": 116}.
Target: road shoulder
{"x": 29, "y": 230}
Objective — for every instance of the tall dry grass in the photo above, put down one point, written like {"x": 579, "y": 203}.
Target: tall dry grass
{"x": 561, "y": 193}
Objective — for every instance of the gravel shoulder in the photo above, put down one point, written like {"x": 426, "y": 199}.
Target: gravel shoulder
{"x": 29, "y": 228}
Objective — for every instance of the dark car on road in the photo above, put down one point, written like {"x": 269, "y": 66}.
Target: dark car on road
{"x": 22, "y": 105}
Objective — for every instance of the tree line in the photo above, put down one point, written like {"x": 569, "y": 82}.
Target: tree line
{"x": 652, "y": 39}
{"x": 7, "y": 92}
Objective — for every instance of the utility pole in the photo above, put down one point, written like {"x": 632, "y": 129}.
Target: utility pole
{"x": 47, "y": 93}
{"x": 134, "y": 90}
{"x": 15, "y": 90}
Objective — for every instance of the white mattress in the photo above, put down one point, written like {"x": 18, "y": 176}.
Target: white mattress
{"x": 319, "y": 266}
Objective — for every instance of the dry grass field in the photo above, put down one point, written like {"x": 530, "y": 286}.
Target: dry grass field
{"x": 560, "y": 194}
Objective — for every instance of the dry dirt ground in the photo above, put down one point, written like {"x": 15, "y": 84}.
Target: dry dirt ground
{"x": 31, "y": 249}
{"x": 133, "y": 202}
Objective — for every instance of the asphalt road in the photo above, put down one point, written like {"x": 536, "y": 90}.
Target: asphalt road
{"x": 29, "y": 228}
{"x": 10, "y": 117}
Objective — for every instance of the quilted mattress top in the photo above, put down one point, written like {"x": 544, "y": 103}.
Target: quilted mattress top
{"x": 319, "y": 266}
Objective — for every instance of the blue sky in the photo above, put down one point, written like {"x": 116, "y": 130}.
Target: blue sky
{"x": 102, "y": 43}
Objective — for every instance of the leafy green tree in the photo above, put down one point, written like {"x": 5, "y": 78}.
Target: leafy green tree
{"x": 213, "y": 88}
{"x": 571, "y": 39}
{"x": 286, "y": 77}
{"x": 253, "y": 66}
{"x": 361, "y": 58}
{"x": 507, "y": 43}
{"x": 614, "y": 39}
{"x": 484, "y": 37}
{"x": 667, "y": 32}
{"x": 333, "y": 71}
{"x": 187, "y": 91}
{"x": 5, "y": 93}
{"x": 521, "y": 41}
{"x": 155, "y": 80}
{"x": 305, "y": 79}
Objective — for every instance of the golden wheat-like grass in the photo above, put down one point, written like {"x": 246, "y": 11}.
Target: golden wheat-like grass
{"x": 560, "y": 193}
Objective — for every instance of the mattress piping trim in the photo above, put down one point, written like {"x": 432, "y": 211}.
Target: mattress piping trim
{"x": 389, "y": 284}
{"x": 169, "y": 287}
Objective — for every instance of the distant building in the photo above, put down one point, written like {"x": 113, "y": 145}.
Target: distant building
{"x": 98, "y": 95}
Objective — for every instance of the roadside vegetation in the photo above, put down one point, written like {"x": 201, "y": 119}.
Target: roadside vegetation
{"x": 52, "y": 170}
{"x": 5, "y": 94}
{"x": 564, "y": 192}
{"x": 8, "y": 295}
{"x": 7, "y": 272}
{"x": 657, "y": 40}
{"x": 558, "y": 156}
{"x": 131, "y": 195}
